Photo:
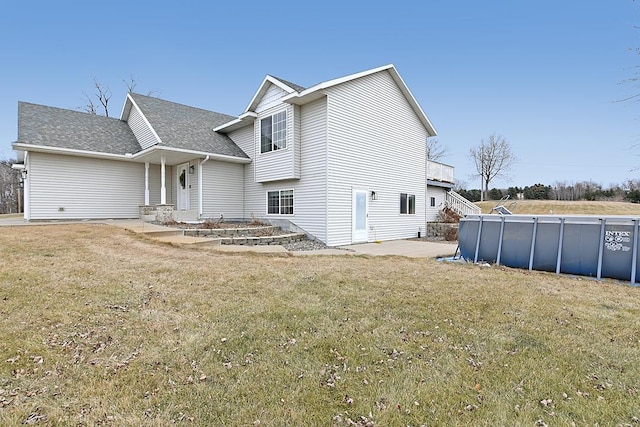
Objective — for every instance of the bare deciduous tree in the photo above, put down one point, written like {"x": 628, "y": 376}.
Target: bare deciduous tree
{"x": 492, "y": 159}
{"x": 435, "y": 150}
{"x": 102, "y": 94}
{"x": 10, "y": 190}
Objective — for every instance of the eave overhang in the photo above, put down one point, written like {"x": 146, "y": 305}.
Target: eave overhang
{"x": 242, "y": 121}
{"x": 151, "y": 154}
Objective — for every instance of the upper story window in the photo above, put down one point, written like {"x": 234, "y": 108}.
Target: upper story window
{"x": 273, "y": 132}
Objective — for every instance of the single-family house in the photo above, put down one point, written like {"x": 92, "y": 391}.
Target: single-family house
{"x": 344, "y": 160}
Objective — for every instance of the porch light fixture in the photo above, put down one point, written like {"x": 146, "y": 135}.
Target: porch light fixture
{"x": 374, "y": 196}
{"x": 192, "y": 169}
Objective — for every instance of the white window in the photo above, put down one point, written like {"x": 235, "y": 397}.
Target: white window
{"x": 407, "y": 204}
{"x": 280, "y": 202}
{"x": 273, "y": 132}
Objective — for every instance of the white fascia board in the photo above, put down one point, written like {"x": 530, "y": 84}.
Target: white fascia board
{"x": 263, "y": 88}
{"x": 126, "y": 109}
{"x": 69, "y": 152}
{"x": 130, "y": 98}
{"x": 241, "y": 121}
{"x": 203, "y": 154}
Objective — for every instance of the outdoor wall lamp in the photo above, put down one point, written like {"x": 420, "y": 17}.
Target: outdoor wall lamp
{"x": 192, "y": 169}
{"x": 374, "y": 196}
{"x": 23, "y": 173}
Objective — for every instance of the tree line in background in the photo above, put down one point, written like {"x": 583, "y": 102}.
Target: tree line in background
{"x": 10, "y": 188}
{"x": 629, "y": 191}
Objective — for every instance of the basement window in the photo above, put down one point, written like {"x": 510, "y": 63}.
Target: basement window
{"x": 280, "y": 202}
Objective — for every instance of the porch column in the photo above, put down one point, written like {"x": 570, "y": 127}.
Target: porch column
{"x": 163, "y": 188}
{"x": 200, "y": 204}
{"x": 146, "y": 183}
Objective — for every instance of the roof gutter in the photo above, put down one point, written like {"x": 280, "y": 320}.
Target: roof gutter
{"x": 18, "y": 146}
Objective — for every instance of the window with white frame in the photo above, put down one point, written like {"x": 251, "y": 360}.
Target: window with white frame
{"x": 273, "y": 132}
{"x": 407, "y": 204}
{"x": 280, "y": 202}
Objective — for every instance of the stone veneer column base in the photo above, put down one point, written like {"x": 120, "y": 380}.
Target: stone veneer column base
{"x": 164, "y": 213}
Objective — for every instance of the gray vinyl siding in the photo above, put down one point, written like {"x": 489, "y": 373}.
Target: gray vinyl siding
{"x": 84, "y": 187}
{"x": 245, "y": 139}
{"x": 376, "y": 143}
{"x": 439, "y": 193}
{"x": 270, "y": 98}
{"x": 310, "y": 190}
{"x": 281, "y": 164}
{"x": 143, "y": 133}
{"x": 223, "y": 189}
{"x": 155, "y": 183}
{"x": 192, "y": 182}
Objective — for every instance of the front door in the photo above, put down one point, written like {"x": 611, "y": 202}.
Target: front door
{"x": 360, "y": 220}
{"x": 183, "y": 187}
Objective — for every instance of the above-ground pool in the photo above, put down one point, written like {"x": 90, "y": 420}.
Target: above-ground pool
{"x": 587, "y": 245}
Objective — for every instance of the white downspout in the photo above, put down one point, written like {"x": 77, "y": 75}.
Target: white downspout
{"x": 163, "y": 188}
{"x": 200, "y": 204}
{"x": 146, "y": 183}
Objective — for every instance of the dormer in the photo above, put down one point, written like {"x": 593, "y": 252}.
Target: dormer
{"x": 276, "y": 129}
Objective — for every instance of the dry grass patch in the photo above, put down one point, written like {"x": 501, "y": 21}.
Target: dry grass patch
{"x": 98, "y": 326}
{"x": 559, "y": 207}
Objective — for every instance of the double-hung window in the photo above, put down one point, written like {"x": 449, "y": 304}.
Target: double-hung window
{"x": 273, "y": 132}
{"x": 407, "y": 204}
{"x": 280, "y": 202}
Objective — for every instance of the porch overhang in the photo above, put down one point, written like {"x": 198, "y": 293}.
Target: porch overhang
{"x": 432, "y": 183}
{"x": 173, "y": 156}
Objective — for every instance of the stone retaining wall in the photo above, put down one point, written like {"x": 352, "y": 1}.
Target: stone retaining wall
{"x": 442, "y": 230}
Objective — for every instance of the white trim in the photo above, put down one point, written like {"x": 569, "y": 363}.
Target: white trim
{"x": 70, "y": 151}
{"x": 222, "y": 157}
{"x": 200, "y": 202}
{"x": 127, "y": 156}
{"x": 262, "y": 89}
{"x": 182, "y": 194}
{"x": 238, "y": 123}
{"x": 163, "y": 187}
{"x": 408, "y": 204}
{"x": 286, "y": 133}
{"x": 364, "y": 235}
{"x": 146, "y": 183}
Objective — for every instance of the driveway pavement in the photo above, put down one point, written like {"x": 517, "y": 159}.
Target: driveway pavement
{"x": 407, "y": 248}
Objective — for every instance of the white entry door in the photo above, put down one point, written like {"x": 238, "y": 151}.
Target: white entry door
{"x": 183, "y": 187}
{"x": 360, "y": 213}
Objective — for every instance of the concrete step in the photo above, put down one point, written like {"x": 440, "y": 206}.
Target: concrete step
{"x": 187, "y": 240}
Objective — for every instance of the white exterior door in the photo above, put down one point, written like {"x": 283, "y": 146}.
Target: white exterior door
{"x": 360, "y": 213}
{"x": 183, "y": 187}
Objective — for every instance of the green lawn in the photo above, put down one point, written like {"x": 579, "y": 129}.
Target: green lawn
{"x": 99, "y": 326}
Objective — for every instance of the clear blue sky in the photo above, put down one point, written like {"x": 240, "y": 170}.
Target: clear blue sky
{"x": 544, "y": 74}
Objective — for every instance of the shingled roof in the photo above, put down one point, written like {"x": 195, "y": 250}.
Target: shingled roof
{"x": 293, "y": 86}
{"x": 62, "y": 128}
{"x": 184, "y": 127}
